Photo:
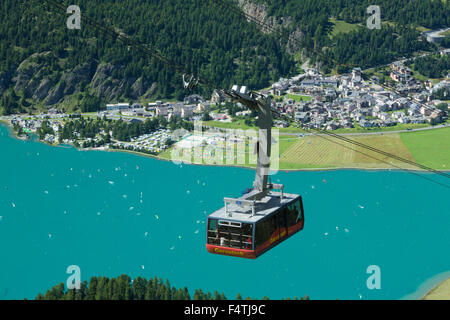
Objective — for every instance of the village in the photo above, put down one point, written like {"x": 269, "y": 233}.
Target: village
{"x": 151, "y": 143}
{"x": 317, "y": 101}
{"x": 348, "y": 100}
{"x": 311, "y": 100}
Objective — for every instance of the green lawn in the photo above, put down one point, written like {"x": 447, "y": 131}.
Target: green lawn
{"x": 286, "y": 142}
{"x": 298, "y": 97}
{"x": 342, "y": 27}
{"x": 228, "y": 125}
{"x": 399, "y": 126}
{"x": 430, "y": 148}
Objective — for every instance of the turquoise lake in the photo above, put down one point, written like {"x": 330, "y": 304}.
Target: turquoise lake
{"x": 113, "y": 213}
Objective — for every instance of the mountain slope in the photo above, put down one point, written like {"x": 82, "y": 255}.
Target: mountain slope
{"x": 45, "y": 63}
{"x": 42, "y": 63}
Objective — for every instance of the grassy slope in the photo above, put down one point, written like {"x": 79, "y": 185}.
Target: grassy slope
{"x": 431, "y": 148}
{"x": 342, "y": 27}
{"x": 314, "y": 151}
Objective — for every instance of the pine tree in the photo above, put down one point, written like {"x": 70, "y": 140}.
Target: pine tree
{"x": 139, "y": 288}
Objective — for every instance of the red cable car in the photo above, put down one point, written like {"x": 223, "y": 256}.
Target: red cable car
{"x": 249, "y": 229}
{"x": 261, "y": 218}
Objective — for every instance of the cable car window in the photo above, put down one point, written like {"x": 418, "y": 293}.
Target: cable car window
{"x": 230, "y": 234}
{"x": 235, "y": 237}
{"x": 224, "y": 235}
{"x": 299, "y": 209}
{"x": 264, "y": 230}
{"x": 213, "y": 232}
{"x": 212, "y": 224}
{"x": 247, "y": 236}
{"x": 294, "y": 213}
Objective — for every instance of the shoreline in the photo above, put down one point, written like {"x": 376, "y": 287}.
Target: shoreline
{"x": 142, "y": 154}
{"x": 157, "y": 157}
{"x": 431, "y": 288}
{"x": 440, "y": 292}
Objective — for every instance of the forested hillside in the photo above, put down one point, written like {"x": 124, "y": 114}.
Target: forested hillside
{"x": 428, "y": 13}
{"x": 399, "y": 35}
{"x": 42, "y": 63}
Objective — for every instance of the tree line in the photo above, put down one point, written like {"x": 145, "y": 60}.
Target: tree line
{"x": 125, "y": 288}
{"x": 121, "y": 130}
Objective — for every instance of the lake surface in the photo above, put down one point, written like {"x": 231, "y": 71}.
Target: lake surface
{"x": 117, "y": 213}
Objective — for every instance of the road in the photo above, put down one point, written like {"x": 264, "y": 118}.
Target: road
{"x": 117, "y": 117}
{"x": 373, "y": 133}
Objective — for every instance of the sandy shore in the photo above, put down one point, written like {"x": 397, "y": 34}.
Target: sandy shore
{"x": 440, "y": 292}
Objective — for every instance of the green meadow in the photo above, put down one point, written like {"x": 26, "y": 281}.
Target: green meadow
{"x": 430, "y": 147}
{"x": 342, "y": 27}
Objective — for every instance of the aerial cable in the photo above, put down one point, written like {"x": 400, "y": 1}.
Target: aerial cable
{"x": 192, "y": 80}
{"x": 386, "y": 162}
{"x": 362, "y": 145}
{"x": 413, "y": 163}
{"x": 125, "y": 39}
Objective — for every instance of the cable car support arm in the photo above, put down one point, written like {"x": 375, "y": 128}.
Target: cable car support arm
{"x": 261, "y": 104}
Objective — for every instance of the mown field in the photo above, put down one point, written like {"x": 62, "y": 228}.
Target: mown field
{"x": 327, "y": 152}
{"x": 430, "y": 148}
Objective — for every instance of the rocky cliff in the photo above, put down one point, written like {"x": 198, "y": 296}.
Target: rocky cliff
{"x": 40, "y": 78}
{"x": 272, "y": 24}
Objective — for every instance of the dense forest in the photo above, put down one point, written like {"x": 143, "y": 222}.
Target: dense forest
{"x": 124, "y": 288}
{"x": 435, "y": 66}
{"x": 398, "y": 37}
{"x": 377, "y": 47}
{"x": 42, "y": 63}
{"x": 431, "y": 14}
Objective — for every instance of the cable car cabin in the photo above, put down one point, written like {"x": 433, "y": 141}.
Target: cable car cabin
{"x": 248, "y": 232}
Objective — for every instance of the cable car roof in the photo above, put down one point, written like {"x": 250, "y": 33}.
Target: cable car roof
{"x": 263, "y": 208}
